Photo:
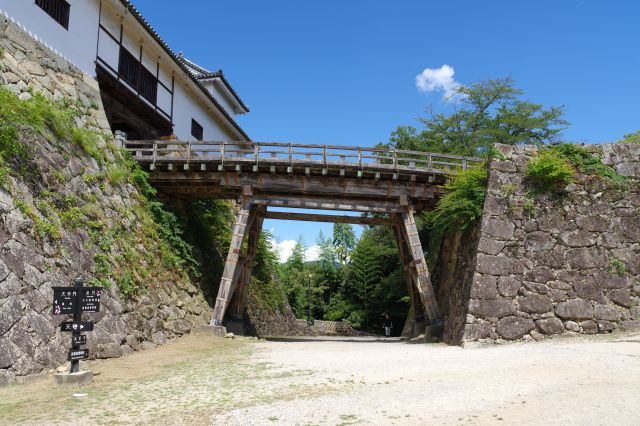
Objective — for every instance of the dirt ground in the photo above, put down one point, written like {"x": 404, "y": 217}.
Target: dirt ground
{"x": 339, "y": 381}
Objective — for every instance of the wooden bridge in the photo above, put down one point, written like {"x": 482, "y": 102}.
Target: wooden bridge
{"x": 393, "y": 184}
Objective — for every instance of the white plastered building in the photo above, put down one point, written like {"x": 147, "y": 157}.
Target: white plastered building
{"x": 147, "y": 90}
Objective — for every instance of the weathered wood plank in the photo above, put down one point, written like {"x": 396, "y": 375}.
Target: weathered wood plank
{"x": 308, "y": 217}
{"x": 419, "y": 269}
{"x": 375, "y": 206}
{"x": 232, "y": 265}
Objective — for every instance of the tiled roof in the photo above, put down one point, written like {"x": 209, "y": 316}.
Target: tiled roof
{"x": 205, "y": 74}
{"x": 129, "y": 5}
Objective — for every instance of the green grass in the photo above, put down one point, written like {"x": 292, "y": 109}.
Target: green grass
{"x": 117, "y": 175}
{"x": 618, "y": 266}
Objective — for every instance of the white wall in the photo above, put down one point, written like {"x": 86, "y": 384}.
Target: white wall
{"x": 78, "y": 44}
{"x": 214, "y": 87}
{"x": 186, "y": 107}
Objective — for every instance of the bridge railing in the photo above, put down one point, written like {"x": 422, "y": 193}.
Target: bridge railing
{"x": 293, "y": 154}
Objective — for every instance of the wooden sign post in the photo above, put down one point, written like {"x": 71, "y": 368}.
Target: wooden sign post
{"x": 76, "y": 300}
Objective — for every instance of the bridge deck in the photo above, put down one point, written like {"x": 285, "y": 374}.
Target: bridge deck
{"x": 222, "y": 169}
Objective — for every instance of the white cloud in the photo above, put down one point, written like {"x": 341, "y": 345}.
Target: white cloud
{"x": 312, "y": 253}
{"x": 439, "y": 80}
{"x": 285, "y": 248}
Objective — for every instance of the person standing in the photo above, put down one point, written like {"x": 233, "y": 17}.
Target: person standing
{"x": 388, "y": 325}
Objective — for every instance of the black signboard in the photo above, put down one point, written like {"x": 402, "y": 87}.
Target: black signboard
{"x": 64, "y": 300}
{"x": 76, "y": 326}
{"x": 78, "y": 354}
{"x": 76, "y": 300}
{"x": 79, "y": 340}
{"x": 91, "y": 299}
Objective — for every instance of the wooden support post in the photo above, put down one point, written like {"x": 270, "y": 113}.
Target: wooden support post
{"x": 410, "y": 278}
{"x": 232, "y": 266}
{"x": 419, "y": 269}
{"x": 404, "y": 260}
{"x": 255, "y": 228}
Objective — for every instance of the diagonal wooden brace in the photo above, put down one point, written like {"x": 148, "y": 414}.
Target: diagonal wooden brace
{"x": 233, "y": 265}
{"x": 406, "y": 263}
{"x": 253, "y": 236}
{"x": 418, "y": 266}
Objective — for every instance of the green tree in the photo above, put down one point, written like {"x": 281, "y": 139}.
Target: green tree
{"x": 344, "y": 239}
{"x": 327, "y": 275}
{"x": 487, "y": 112}
{"x": 292, "y": 274}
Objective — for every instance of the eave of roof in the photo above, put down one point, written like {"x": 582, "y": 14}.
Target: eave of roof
{"x": 132, "y": 9}
{"x": 205, "y": 74}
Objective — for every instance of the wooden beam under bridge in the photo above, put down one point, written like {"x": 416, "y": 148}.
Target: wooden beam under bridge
{"x": 307, "y": 217}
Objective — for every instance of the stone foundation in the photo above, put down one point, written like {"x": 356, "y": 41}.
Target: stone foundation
{"x": 549, "y": 265}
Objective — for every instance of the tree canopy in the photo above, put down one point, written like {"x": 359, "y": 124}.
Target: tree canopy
{"x": 484, "y": 113}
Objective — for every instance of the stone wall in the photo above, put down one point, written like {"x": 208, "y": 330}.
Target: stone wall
{"x": 452, "y": 278}
{"x": 549, "y": 265}
{"x": 30, "y": 339}
{"x": 28, "y": 67}
{"x": 261, "y": 321}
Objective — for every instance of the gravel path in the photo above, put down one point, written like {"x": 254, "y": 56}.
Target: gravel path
{"x": 200, "y": 380}
{"x": 571, "y": 381}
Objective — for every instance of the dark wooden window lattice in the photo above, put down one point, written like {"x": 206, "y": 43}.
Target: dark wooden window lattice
{"x": 137, "y": 76}
{"x": 57, "y": 9}
{"x": 196, "y": 130}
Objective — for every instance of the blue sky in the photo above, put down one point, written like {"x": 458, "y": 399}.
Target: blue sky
{"x": 344, "y": 72}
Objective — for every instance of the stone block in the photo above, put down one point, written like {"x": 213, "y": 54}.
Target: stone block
{"x": 477, "y": 331}
{"x": 589, "y": 327}
{"x": 586, "y": 258}
{"x": 80, "y": 378}
{"x": 608, "y": 280}
{"x": 9, "y": 353}
{"x": 540, "y": 274}
{"x": 490, "y": 246}
{"x": 550, "y": 326}
{"x": 209, "y": 330}
{"x": 539, "y": 240}
{"x": 535, "y": 304}
{"x": 578, "y": 238}
{"x": 10, "y": 313}
{"x": 499, "y": 265}
{"x": 572, "y": 326}
{"x": 536, "y": 287}
{"x": 629, "y": 229}
{"x": 495, "y": 205}
{"x": 558, "y": 295}
{"x": 484, "y": 287}
{"x": 109, "y": 350}
{"x": 587, "y": 289}
{"x": 621, "y": 296}
{"x": 605, "y": 312}
{"x": 491, "y": 308}
{"x": 498, "y": 228}
{"x": 508, "y": 286}
{"x": 605, "y": 326}
{"x": 512, "y": 328}
{"x": 504, "y": 166}
{"x": 575, "y": 309}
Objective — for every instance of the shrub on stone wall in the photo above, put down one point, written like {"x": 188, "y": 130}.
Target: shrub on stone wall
{"x": 462, "y": 205}
{"x": 553, "y": 167}
{"x": 549, "y": 171}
